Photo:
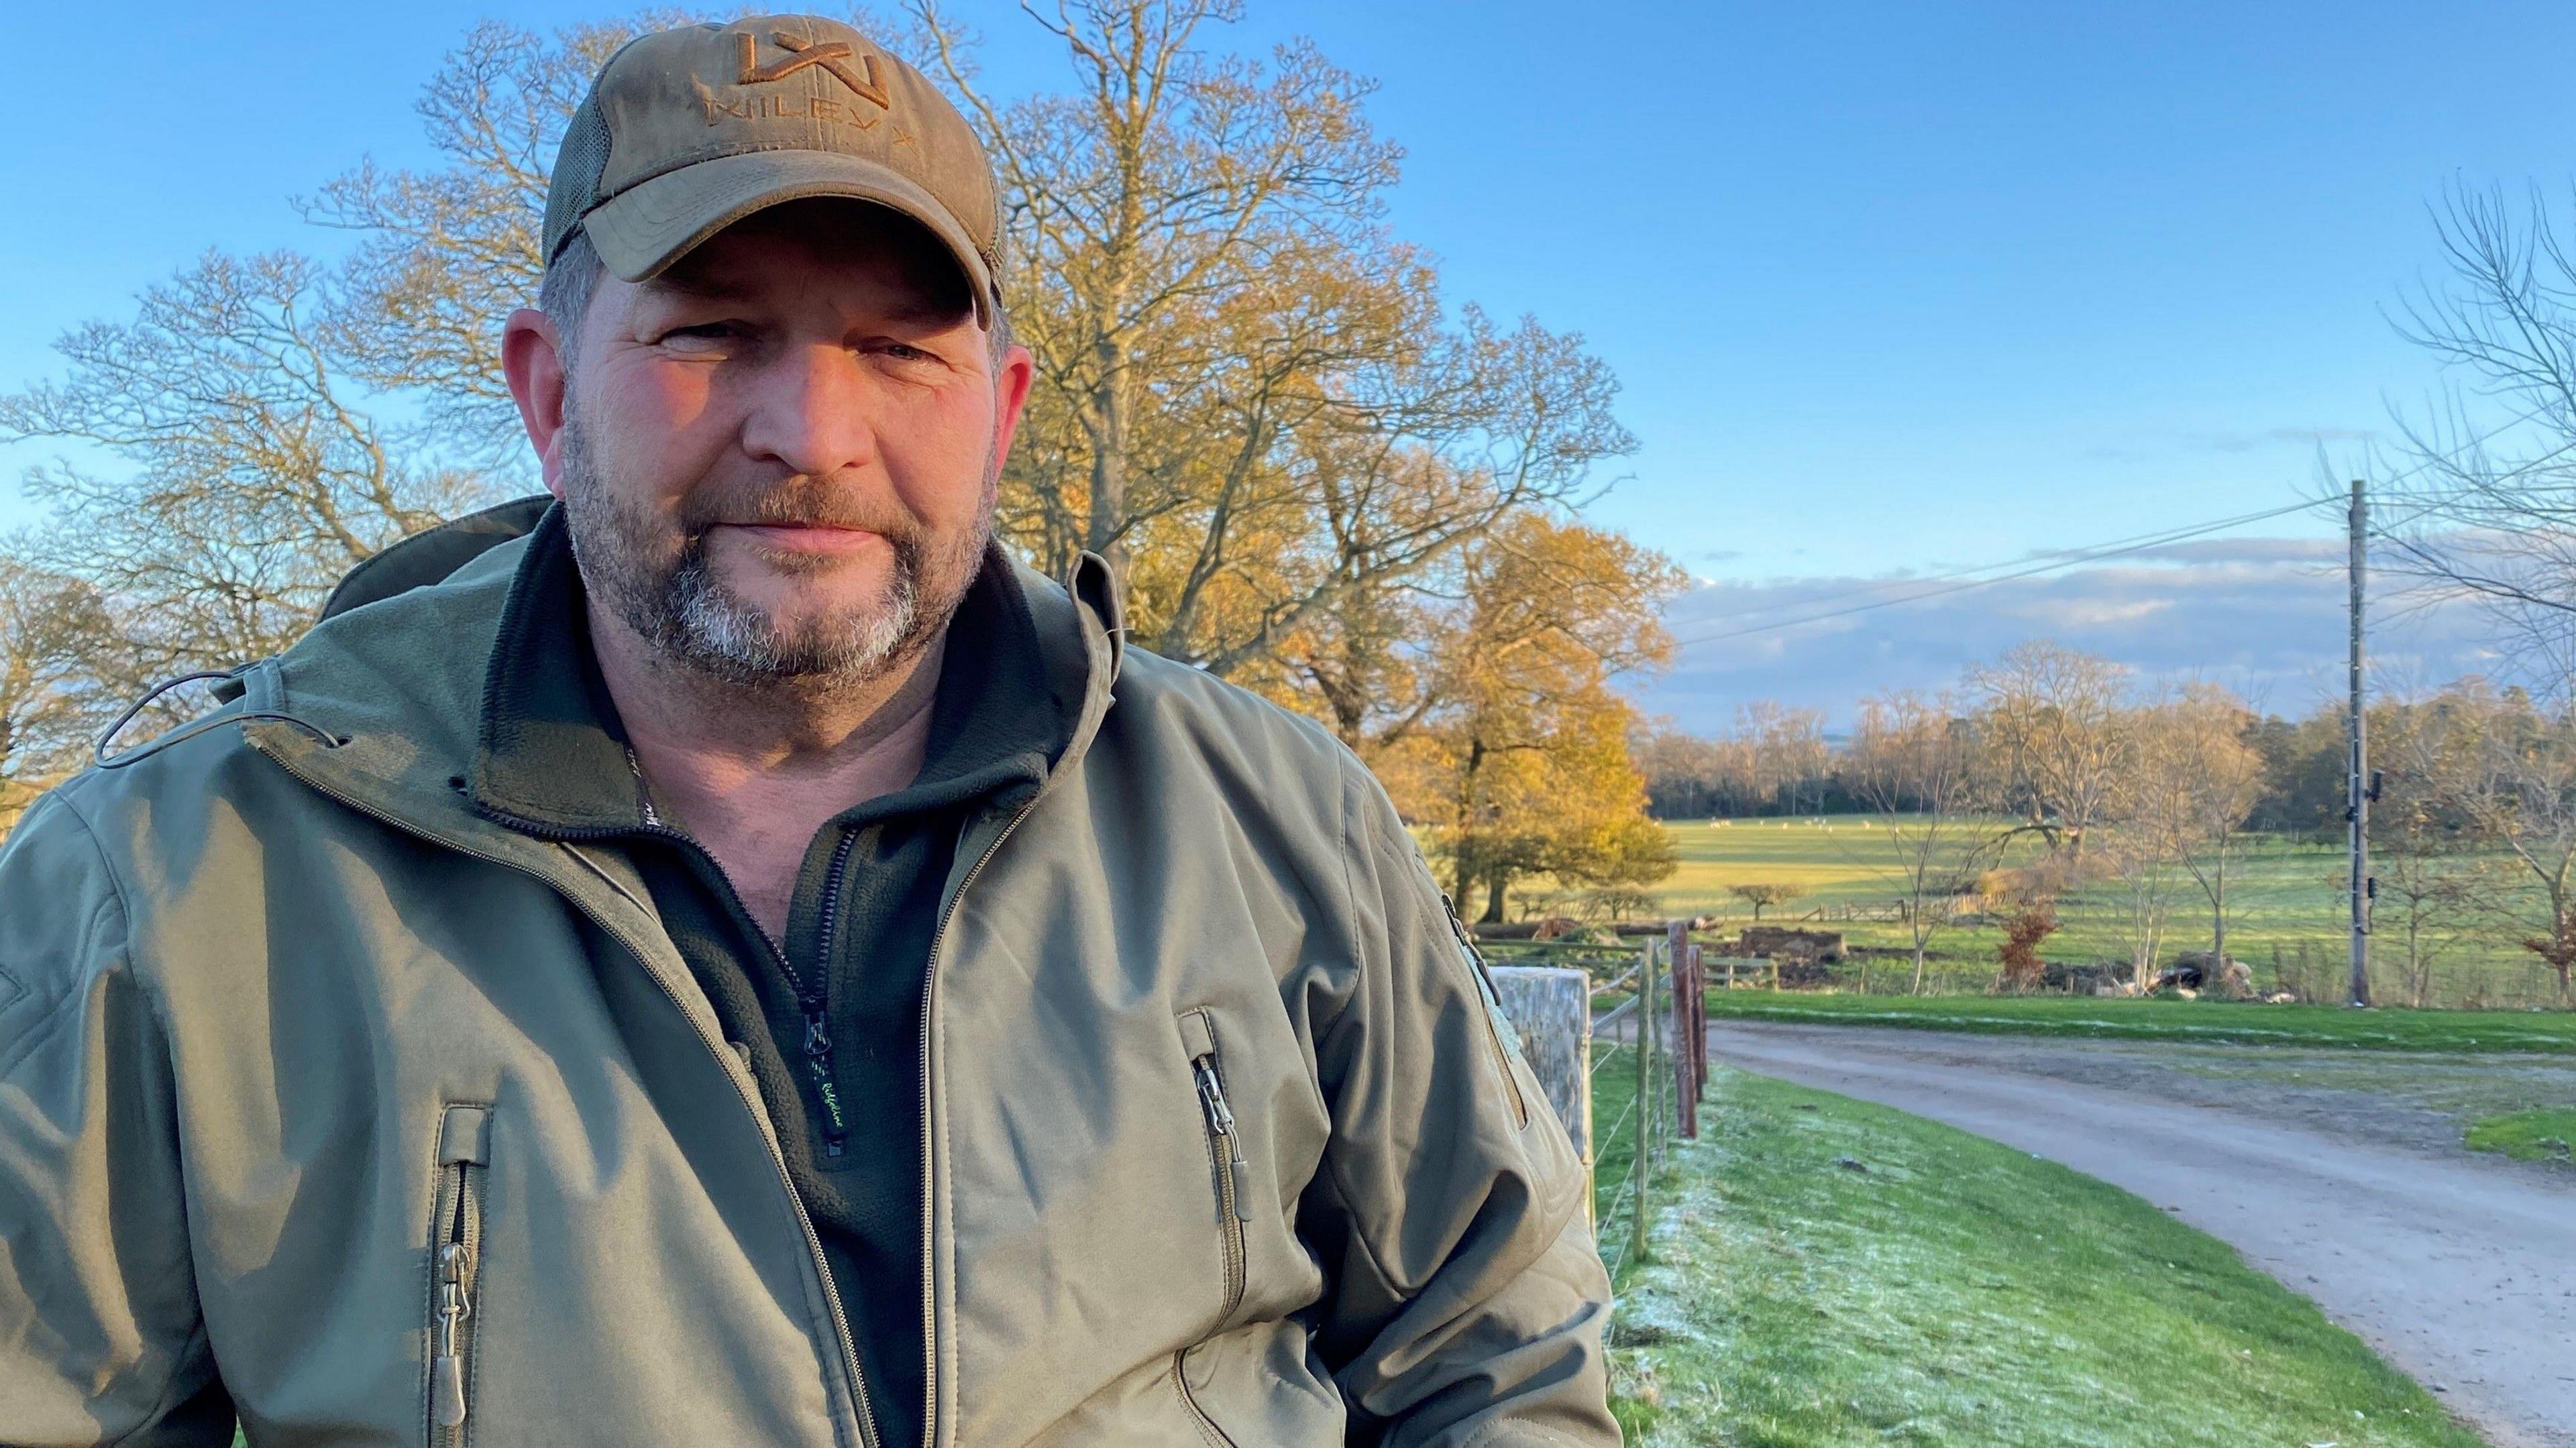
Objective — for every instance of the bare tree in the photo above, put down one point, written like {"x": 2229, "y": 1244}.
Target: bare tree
{"x": 1247, "y": 398}
{"x": 2422, "y": 842}
{"x": 1784, "y": 751}
{"x": 447, "y": 253}
{"x": 1763, "y": 894}
{"x": 2518, "y": 786}
{"x": 1685, "y": 774}
{"x": 257, "y": 478}
{"x": 2055, "y": 748}
{"x": 2486, "y": 502}
{"x": 1913, "y": 760}
{"x": 50, "y": 703}
{"x": 2151, "y": 808}
{"x": 2202, "y": 735}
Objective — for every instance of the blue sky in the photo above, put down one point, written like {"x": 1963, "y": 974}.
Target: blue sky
{"x": 1890, "y": 286}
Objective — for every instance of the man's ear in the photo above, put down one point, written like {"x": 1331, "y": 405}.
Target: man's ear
{"x": 1011, "y": 385}
{"x": 532, "y": 361}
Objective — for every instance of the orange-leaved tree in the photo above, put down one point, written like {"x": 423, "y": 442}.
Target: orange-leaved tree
{"x": 1519, "y": 766}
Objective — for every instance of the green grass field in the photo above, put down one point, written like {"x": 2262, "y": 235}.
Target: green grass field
{"x": 1828, "y": 1272}
{"x": 2207, "y": 1022}
{"x": 2542, "y": 1134}
{"x": 2285, "y": 916}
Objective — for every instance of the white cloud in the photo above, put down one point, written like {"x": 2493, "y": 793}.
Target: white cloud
{"x": 2264, "y": 616}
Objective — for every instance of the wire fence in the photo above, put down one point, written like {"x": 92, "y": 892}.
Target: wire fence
{"x": 1646, "y": 1057}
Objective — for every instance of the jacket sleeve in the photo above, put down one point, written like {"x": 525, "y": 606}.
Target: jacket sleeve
{"x": 1468, "y": 1302}
{"x": 100, "y": 1338}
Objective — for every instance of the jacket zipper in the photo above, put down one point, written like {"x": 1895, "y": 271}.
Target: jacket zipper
{"x": 929, "y": 1268}
{"x": 1233, "y": 1175}
{"x": 1225, "y": 1155}
{"x": 1491, "y": 1000}
{"x": 1233, "y": 1193}
{"x": 815, "y": 1000}
{"x": 459, "y": 1244}
{"x": 842, "y": 1337}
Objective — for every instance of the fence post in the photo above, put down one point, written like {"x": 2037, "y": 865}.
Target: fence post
{"x": 1643, "y": 1104}
{"x": 1699, "y": 1037}
{"x": 1551, "y": 1008}
{"x": 1685, "y": 1062}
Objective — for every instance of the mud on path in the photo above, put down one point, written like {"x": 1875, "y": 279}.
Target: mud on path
{"x": 2339, "y": 1172}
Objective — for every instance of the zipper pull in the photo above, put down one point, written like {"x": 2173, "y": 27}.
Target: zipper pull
{"x": 1242, "y": 1172}
{"x": 1220, "y": 1118}
{"x": 1212, "y": 1097}
{"x": 818, "y": 1064}
{"x": 446, "y": 1372}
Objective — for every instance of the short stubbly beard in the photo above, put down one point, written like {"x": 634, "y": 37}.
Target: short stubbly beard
{"x": 662, "y": 587}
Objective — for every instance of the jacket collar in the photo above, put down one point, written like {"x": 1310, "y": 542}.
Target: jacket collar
{"x": 400, "y": 683}
{"x": 551, "y": 755}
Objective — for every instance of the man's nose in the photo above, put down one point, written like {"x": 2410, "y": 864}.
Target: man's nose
{"x": 811, "y": 412}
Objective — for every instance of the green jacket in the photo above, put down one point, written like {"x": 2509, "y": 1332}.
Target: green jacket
{"x": 325, "y": 1098}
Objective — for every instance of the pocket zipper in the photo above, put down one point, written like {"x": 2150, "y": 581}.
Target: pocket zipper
{"x": 457, "y": 1244}
{"x": 1225, "y": 1148}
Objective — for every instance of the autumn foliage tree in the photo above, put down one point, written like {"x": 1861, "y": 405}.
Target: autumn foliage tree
{"x": 1520, "y": 765}
{"x": 2022, "y": 969}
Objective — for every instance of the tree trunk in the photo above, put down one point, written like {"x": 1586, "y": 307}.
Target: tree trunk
{"x": 2218, "y": 924}
{"x": 1496, "y": 882}
{"x": 1108, "y": 518}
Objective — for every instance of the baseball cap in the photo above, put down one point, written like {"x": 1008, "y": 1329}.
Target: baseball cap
{"x": 688, "y": 131}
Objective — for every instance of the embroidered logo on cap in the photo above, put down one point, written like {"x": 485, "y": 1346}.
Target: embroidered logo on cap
{"x": 832, "y": 55}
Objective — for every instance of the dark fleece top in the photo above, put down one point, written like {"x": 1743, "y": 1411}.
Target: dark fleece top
{"x": 830, "y": 1015}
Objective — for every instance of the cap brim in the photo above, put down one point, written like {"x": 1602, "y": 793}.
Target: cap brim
{"x": 642, "y": 230}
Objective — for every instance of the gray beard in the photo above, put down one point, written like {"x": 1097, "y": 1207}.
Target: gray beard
{"x": 691, "y": 619}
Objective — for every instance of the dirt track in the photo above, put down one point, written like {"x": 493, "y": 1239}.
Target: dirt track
{"x": 2460, "y": 1270}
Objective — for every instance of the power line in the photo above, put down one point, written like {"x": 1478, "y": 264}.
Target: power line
{"x": 2066, "y": 555}
{"x": 2063, "y": 559}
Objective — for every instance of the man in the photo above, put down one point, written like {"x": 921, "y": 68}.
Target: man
{"x": 741, "y": 962}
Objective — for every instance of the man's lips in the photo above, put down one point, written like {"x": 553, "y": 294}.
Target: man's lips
{"x": 806, "y": 537}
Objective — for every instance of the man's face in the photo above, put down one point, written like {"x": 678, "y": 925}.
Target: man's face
{"x": 778, "y": 459}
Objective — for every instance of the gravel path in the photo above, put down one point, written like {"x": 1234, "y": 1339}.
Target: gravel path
{"x": 2340, "y": 1178}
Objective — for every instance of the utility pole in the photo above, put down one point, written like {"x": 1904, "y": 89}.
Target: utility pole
{"x": 2359, "y": 792}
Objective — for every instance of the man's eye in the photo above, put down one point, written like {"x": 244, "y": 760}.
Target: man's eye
{"x": 703, "y": 332}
